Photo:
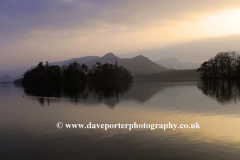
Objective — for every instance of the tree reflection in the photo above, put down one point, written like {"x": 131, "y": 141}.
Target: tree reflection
{"x": 224, "y": 91}
{"x": 78, "y": 93}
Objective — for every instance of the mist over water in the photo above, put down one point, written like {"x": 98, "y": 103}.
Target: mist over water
{"x": 28, "y": 124}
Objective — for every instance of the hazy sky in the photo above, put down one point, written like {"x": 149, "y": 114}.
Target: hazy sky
{"x": 53, "y": 30}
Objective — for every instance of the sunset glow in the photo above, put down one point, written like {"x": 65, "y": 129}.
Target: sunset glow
{"x": 70, "y": 29}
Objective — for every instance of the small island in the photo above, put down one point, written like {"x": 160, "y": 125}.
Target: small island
{"x": 223, "y": 65}
{"x": 75, "y": 73}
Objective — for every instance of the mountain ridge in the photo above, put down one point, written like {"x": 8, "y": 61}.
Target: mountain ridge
{"x": 135, "y": 65}
{"x": 141, "y": 64}
{"x": 174, "y": 63}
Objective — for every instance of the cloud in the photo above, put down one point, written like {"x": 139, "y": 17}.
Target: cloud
{"x": 48, "y": 29}
{"x": 19, "y": 17}
{"x": 195, "y": 51}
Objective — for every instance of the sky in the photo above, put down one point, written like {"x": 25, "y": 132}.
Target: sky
{"x": 55, "y": 30}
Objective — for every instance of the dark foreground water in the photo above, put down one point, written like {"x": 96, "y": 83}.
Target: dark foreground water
{"x": 28, "y": 124}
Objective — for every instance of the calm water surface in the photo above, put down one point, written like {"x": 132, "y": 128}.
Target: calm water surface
{"x": 28, "y": 124}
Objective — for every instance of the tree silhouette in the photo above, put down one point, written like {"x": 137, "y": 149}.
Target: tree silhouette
{"x": 224, "y": 64}
{"x": 75, "y": 73}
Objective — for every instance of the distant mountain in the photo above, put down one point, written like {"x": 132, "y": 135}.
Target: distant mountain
{"x": 136, "y": 65}
{"x": 13, "y": 73}
{"x": 80, "y": 60}
{"x": 108, "y": 58}
{"x": 141, "y": 64}
{"x": 6, "y": 78}
{"x": 174, "y": 63}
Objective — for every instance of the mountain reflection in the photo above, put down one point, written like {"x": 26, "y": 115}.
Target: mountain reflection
{"x": 108, "y": 93}
{"x": 224, "y": 91}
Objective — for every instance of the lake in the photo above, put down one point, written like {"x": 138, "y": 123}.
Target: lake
{"x": 28, "y": 118}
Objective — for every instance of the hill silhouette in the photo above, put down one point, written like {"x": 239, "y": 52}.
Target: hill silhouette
{"x": 80, "y": 60}
{"x": 136, "y": 65}
{"x": 174, "y": 63}
{"x": 107, "y": 58}
{"x": 141, "y": 64}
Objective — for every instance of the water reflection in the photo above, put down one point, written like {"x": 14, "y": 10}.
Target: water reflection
{"x": 27, "y": 130}
{"x": 110, "y": 94}
{"x": 224, "y": 91}
{"x": 78, "y": 93}
{"x": 107, "y": 93}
